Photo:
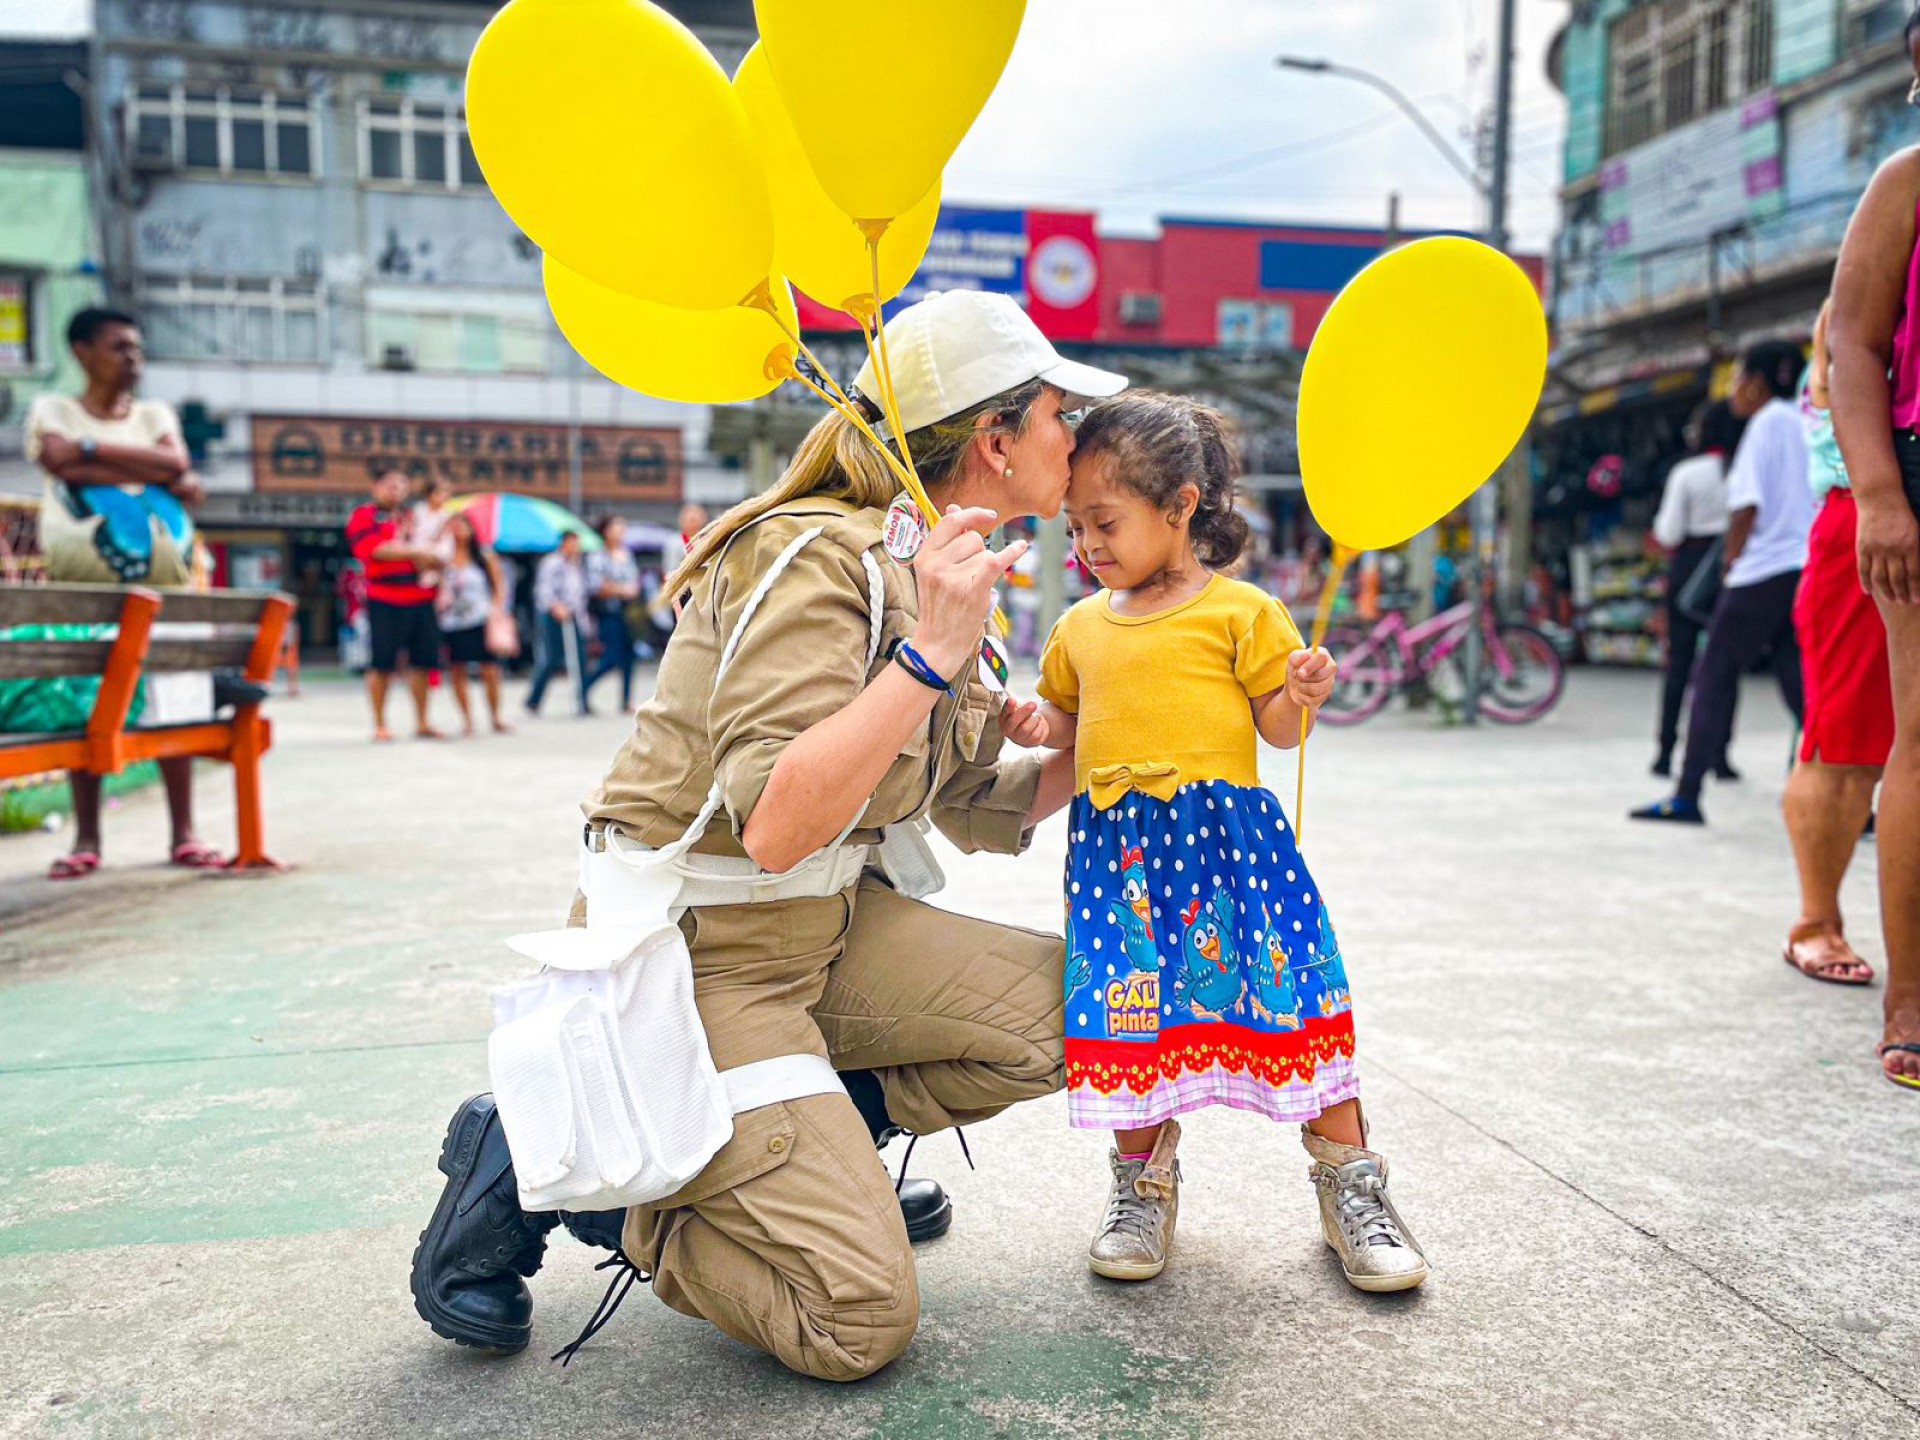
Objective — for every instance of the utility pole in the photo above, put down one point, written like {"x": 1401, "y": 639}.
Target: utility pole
{"x": 1485, "y": 506}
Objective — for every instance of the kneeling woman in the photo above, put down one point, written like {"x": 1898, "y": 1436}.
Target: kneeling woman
{"x": 792, "y": 1238}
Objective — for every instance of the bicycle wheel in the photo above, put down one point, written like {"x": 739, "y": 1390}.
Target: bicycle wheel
{"x": 1369, "y": 674}
{"x": 1524, "y": 676}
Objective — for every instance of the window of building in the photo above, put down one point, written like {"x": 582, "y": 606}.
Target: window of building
{"x": 408, "y": 142}
{"x": 1677, "y": 60}
{"x": 224, "y": 129}
{"x": 240, "y": 321}
{"x": 470, "y": 342}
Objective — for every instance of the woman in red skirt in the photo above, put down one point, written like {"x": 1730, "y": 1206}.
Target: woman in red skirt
{"x": 1849, "y": 701}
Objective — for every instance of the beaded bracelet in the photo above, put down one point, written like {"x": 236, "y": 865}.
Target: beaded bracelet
{"x": 915, "y": 664}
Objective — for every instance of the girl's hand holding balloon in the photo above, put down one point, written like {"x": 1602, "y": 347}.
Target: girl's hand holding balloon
{"x": 1310, "y": 676}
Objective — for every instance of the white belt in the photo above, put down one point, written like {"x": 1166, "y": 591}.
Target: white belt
{"x": 717, "y": 879}
{"x": 784, "y": 1077}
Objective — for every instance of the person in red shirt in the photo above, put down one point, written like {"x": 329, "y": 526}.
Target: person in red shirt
{"x": 399, "y": 602}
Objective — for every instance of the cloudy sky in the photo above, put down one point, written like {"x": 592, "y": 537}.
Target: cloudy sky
{"x": 1143, "y": 108}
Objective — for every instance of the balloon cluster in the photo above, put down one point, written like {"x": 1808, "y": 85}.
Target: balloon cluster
{"x": 673, "y": 206}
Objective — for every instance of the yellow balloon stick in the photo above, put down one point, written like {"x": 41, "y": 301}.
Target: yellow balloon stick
{"x": 1342, "y": 558}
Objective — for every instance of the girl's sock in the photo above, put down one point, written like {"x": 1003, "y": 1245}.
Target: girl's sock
{"x": 1143, "y": 1155}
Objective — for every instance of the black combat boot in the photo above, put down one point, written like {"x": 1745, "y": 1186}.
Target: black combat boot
{"x": 467, "y": 1270}
{"x": 923, "y": 1204}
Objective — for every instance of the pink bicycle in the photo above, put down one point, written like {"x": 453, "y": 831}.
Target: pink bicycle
{"x": 1522, "y": 674}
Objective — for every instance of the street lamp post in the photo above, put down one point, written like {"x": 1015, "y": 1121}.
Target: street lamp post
{"x": 1493, "y": 192}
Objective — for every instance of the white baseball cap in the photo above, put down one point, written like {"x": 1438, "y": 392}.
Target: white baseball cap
{"x": 957, "y": 348}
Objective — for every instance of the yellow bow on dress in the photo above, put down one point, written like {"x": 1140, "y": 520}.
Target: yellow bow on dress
{"x": 1109, "y": 783}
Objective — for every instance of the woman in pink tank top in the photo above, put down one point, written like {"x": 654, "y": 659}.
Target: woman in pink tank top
{"x": 1875, "y": 349}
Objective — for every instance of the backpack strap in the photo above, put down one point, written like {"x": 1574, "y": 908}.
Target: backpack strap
{"x": 876, "y": 618}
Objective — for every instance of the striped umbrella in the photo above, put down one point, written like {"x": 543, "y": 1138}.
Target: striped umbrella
{"x": 521, "y": 524}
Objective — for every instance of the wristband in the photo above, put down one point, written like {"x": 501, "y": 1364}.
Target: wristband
{"x": 915, "y": 664}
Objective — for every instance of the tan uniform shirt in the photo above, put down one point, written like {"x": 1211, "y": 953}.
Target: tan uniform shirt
{"x": 802, "y": 659}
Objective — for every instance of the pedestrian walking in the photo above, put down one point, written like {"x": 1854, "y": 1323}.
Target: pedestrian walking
{"x": 1771, "y": 510}
{"x": 1849, "y": 699}
{"x": 404, "y": 634}
{"x": 1202, "y": 966}
{"x": 560, "y": 608}
{"x": 1690, "y": 527}
{"x": 613, "y": 584}
{"x": 1876, "y": 411}
{"x": 473, "y": 607}
{"x": 119, "y": 482}
{"x": 812, "y": 748}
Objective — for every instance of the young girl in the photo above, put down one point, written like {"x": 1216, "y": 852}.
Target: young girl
{"x": 1201, "y": 966}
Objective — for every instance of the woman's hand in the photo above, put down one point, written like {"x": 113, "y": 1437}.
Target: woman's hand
{"x": 1310, "y": 678}
{"x": 1889, "y": 548}
{"x": 956, "y": 574}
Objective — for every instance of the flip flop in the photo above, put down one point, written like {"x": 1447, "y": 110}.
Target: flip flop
{"x": 1817, "y": 952}
{"x": 197, "y": 855}
{"x": 1906, "y": 1082}
{"x": 76, "y": 866}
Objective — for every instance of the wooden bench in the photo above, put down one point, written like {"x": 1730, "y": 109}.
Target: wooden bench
{"x": 247, "y": 632}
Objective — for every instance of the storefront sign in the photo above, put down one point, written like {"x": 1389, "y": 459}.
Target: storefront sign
{"x": 331, "y": 455}
{"x": 14, "y": 351}
{"x": 1678, "y": 189}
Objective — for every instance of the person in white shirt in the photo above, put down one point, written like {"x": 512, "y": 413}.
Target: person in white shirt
{"x": 1771, "y": 505}
{"x": 1693, "y": 515}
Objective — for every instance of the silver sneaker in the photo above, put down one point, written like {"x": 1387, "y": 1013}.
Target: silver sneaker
{"x": 1357, "y": 1217}
{"x": 1134, "y": 1237}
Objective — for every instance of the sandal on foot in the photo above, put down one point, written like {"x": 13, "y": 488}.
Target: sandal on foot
{"x": 1908, "y": 1082}
{"x": 77, "y": 866}
{"x": 198, "y": 855}
{"x": 1822, "y": 953}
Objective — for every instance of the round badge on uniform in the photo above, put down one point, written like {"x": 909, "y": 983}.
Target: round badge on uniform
{"x": 906, "y": 529}
{"x": 994, "y": 668}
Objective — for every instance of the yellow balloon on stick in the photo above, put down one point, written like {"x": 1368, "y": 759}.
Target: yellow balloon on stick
{"x": 708, "y": 357}
{"x": 1420, "y": 381}
{"x": 615, "y": 141}
{"x": 816, "y": 245}
{"x": 881, "y": 92}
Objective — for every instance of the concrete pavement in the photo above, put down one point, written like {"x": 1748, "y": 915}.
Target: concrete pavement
{"x": 1663, "y": 1186}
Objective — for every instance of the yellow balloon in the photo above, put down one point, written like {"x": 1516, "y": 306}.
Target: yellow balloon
{"x": 1421, "y": 380}
{"x": 707, "y": 357}
{"x": 815, "y": 244}
{"x": 881, "y": 92}
{"x": 613, "y": 139}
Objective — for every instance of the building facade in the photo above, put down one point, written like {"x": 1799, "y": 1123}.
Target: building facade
{"x": 1715, "y": 151}
{"x": 328, "y": 288}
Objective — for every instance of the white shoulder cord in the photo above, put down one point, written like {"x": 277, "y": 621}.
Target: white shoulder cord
{"x": 876, "y": 621}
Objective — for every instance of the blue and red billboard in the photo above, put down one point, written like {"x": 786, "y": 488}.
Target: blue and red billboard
{"x": 1047, "y": 260}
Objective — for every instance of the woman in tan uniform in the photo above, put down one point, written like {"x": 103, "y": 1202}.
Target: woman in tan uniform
{"x": 793, "y": 1239}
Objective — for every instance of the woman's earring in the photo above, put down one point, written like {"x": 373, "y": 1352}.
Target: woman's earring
{"x": 1008, "y": 472}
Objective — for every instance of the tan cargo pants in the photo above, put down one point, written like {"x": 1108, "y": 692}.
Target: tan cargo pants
{"x": 791, "y": 1239}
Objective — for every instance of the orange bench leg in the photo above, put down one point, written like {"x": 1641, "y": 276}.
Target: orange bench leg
{"x": 251, "y": 738}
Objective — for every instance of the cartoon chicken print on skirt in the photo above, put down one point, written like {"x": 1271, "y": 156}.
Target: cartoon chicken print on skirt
{"x": 1276, "y": 998}
{"x": 1210, "y": 983}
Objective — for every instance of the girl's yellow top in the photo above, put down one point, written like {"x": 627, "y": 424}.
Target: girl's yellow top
{"x": 1162, "y": 699}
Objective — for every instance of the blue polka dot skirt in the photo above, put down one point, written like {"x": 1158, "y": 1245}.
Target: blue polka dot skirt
{"x": 1201, "y": 966}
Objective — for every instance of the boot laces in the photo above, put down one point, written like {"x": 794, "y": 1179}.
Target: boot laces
{"x": 1365, "y": 1210}
{"x": 1128, "y": 1211}
{"x": 913, "y": 1139}
{"x": 624, "y": 1276}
